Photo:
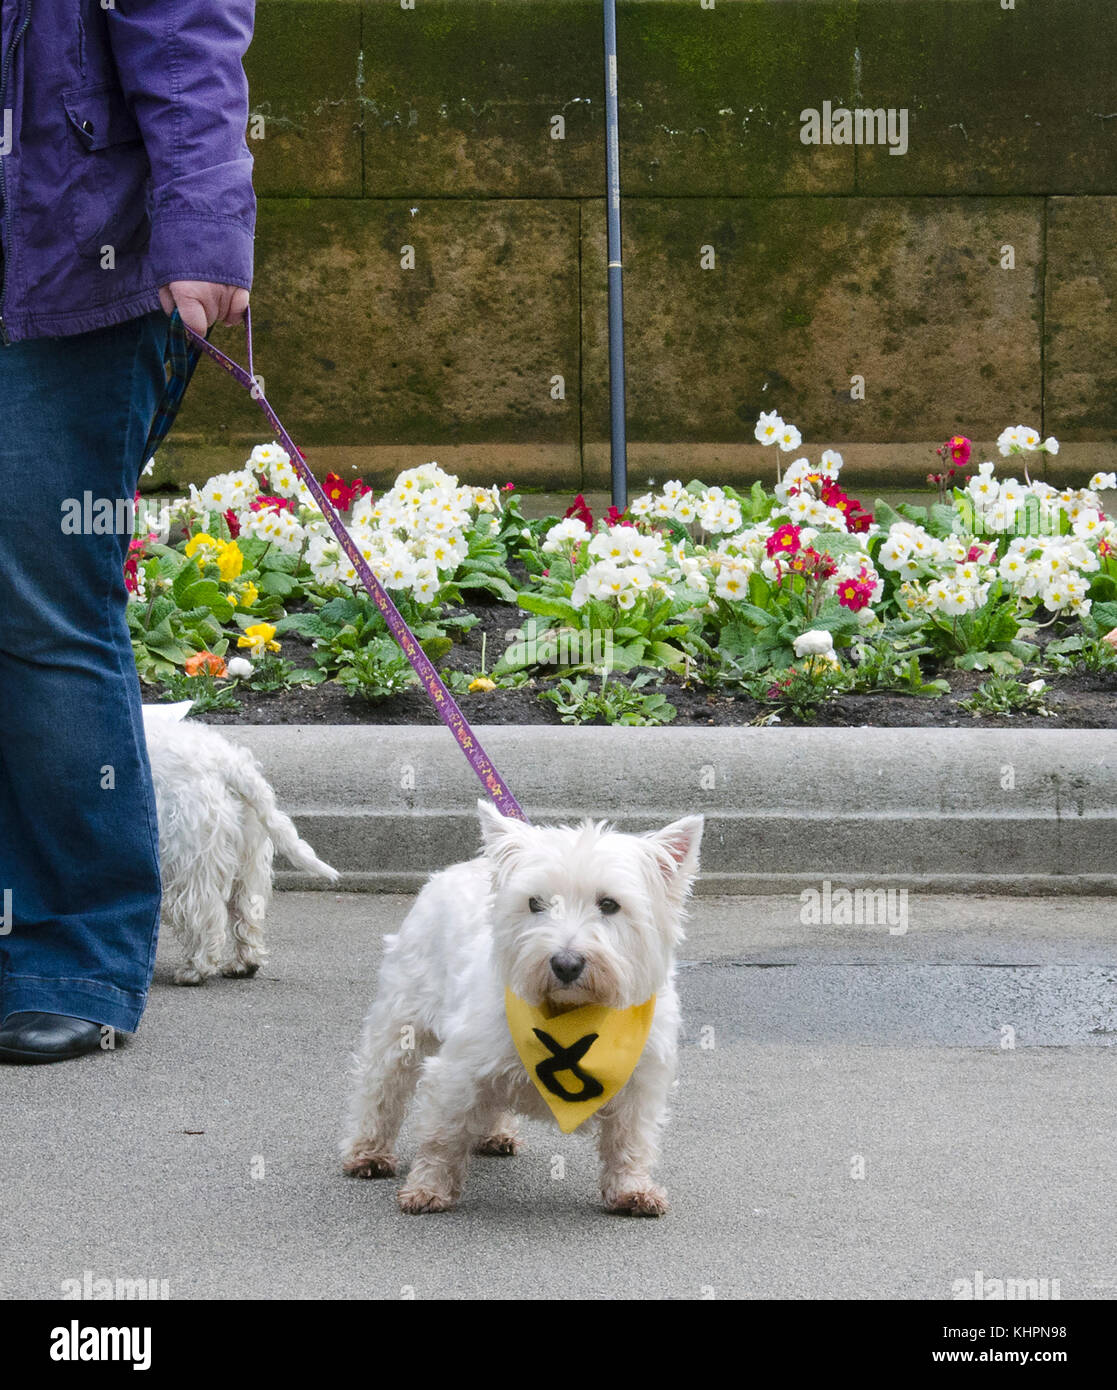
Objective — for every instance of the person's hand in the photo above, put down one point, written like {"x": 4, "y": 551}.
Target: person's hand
{"x": 201, "y": 304}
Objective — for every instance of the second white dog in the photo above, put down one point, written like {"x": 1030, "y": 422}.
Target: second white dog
{"x": 219, "y": 826}
{"x": 560, "y": 916}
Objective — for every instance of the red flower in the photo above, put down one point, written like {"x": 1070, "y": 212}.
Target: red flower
{"x": 508, "y": 487}
{"x": 275, "y": 504}
{"x": 857, "y": 519}
{"x": 581, "y": 510}
{"x": 359, "y": 488}
{"x": 339, "y": 493}
{"x": 613, "y": 517}
{"x": 232, "y": 523}
{"x": 785, "y": 541}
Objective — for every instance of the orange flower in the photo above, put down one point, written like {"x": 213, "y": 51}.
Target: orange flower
{"x": 208, "y": 662}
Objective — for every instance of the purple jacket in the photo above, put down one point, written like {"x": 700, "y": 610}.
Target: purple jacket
{"x": 123, "y": 159}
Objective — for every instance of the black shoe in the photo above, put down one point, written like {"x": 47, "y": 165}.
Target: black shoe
{"x": 31, "y": 1038}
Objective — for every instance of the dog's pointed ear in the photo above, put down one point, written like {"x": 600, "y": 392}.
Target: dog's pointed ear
{"x": 677, "y": 847}
{"x": 499, "y": 834}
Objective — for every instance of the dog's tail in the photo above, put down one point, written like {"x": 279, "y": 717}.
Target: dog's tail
{"x": 250, "y": 784}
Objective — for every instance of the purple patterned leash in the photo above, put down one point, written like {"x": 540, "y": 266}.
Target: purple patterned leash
{"x": 443, "y": 701}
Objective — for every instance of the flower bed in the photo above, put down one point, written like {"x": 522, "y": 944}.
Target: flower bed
{"x": 788, "y": 602}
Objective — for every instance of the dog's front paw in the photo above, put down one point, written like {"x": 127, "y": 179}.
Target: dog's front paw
{"x": 240, "y": 969}
{"x": 190, "y": 975}
{"x": 417, "y": 1201}
{"x": 648, "y": 1200}
{"x": 365, "y": 1162}
{"x": 499, "y": 1145}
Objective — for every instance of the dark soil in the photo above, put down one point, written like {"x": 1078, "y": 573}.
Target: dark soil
{"x": 1077, "y": 702}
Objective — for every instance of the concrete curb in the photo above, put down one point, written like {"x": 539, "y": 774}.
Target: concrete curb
{"x": 938, "y": 810}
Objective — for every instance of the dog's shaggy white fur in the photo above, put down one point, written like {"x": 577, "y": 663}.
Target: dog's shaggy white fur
{"x": 218, "y": 828}
{"x": 535, "y": 898}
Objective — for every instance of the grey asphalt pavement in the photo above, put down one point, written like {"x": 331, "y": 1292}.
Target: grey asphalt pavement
{"x": 861, "y": 1114}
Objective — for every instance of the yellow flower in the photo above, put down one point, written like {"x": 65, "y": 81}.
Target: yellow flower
{"x": 482, "y": 683}
{"x": 202, "y": 541}
{"x": 248, "y": 595}
{"x": 230, "y": 561}
{"x": 260, "y": 637}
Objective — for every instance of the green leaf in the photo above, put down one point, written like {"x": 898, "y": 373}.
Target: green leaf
{"x": 1000, "y": 663}
{"x": 667, "y": 655}
{"x": 436, "y": 647}
{"x": 492, "y": 583}
{"x": 549, "y": 607}
{"x": 884, "y": 515}
{"x": 278, "y": 583}
{"x": 1105, "y": 615}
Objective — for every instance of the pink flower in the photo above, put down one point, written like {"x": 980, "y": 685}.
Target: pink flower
{"x": 785, "y": 541}
{"x": 959, "y": 448}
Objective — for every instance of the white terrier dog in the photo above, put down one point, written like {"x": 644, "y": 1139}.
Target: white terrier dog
{"x": 218, "y": 828}
{"x": 561, "y": 917}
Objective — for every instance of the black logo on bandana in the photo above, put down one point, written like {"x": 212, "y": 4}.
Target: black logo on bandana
{"x": 567, "y": 1059}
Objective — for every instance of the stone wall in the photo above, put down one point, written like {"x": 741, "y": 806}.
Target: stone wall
{"x": 968, "y": 281}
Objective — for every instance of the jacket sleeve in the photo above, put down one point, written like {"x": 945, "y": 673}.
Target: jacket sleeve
{"x": 180, "y": 70}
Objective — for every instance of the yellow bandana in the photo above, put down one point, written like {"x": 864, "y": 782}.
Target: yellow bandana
{"x": 580, "y": 1059}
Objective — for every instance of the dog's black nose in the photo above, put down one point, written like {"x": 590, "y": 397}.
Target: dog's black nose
{"x": 567, "y": 965}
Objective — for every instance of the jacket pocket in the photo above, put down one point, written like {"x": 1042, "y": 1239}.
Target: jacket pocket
{"x": 108, "y": 189}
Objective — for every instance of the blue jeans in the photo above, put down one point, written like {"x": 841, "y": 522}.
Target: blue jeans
{"x": 79, "y": 849}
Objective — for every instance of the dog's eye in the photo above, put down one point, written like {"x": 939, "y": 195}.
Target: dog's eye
{"x": 537, "y": 904}
{"x": 608, "y": 906}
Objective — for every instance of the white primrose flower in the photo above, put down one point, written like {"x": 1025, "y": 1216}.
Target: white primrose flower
{"x": 1050, "y": 445}
{"x": 216, "y": 494}
{"x": 732, "y": 581}
{"x": 769, "y": 427}
{"x": 265, "y": 457}
{"x": 789, "y": 438}
{"x": 895, "y": 550}
{"x": 238, "y": 667}
{"x": 425, "y": 582}
{"x": 983, "y": 487}
{"x": 566, "y": 534}
{"x": 645, "y": 550}
{"x": 1090, "y": 526}
{"x": 1103, "y": 482}
{"x": 611, "y": 544}
{"x": 1057, "y": 595}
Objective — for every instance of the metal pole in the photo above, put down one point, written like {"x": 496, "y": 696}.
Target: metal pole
{"x": 618, "y": 454}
